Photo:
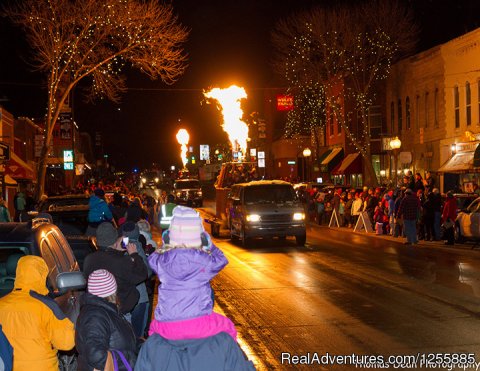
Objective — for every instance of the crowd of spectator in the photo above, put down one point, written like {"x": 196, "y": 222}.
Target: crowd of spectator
{"x": 416, "y": 210}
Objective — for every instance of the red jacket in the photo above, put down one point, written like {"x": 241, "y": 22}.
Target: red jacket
{"x": 450, "y": 209}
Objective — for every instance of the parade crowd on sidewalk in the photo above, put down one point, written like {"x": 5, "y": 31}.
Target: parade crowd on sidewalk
{"x": 415, "y": 210}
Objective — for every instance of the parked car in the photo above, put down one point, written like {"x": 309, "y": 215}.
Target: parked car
{"x": 265, "y": 209}
{"x": 72, "y": 220}
{"x": 188, "y": 191}
{"x": 54, "y": 202}
{"x": 41, "y": 238}
{"x": 467, "y": 225}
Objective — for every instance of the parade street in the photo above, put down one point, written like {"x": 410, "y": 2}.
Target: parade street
{"x": 348, "y": 293}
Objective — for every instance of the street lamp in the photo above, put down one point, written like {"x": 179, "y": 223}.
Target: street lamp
{"x": 306, "y": 154}
{"x": 395, "y": 144}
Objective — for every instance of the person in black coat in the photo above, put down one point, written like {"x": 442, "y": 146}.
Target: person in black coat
{"x": 125, "y": 264}
{"x": 100, "y": 327}
{"x": 135, "y": 211}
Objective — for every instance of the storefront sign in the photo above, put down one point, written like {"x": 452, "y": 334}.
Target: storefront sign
{"x": 204, "y": 152}
{"x": 68, "y": 156}
{"x": 284, "y": 102}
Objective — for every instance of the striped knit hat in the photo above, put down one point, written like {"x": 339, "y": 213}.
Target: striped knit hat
{"x": 185, "y": 228}
{"x": 102, "y": 283}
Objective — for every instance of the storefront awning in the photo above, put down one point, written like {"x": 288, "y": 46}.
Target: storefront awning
{"x": 324, "y": 155}
{"x": 460, "y": 162}
{"x": 9, "y": 181}
{"x": 351, "y": 164}
{"x": 331, "y": 160}
{"x": 17, "y": 168}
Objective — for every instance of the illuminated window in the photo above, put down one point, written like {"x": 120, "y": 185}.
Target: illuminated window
{"x": 456, "y": 104}
{"x": 375, "y": 121}
{"x": 468, "y": 104}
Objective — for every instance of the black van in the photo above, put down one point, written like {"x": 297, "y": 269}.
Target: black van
{"x": 265, "y": 209}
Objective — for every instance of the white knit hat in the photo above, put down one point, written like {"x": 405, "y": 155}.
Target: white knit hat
{"x": 185, "y": 228}
{"x": 102, "y": 283}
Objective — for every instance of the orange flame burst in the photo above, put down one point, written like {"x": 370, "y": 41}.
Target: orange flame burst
{"x": 229, "y": 104}
{"x": 183, "y": 138}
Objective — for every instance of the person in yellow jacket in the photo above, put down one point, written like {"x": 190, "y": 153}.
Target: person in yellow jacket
{"x": 33, "y": 322}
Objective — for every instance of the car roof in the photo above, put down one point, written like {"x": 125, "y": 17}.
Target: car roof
{"x": 21, "y": 232}
{"x": 263, "y": 182}
{"x": 67, "y": 197}
{"x": 186, "y": 180}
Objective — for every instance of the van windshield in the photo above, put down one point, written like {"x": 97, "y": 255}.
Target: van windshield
{"x": 274, "y": 193}
{"x": 189, "y": 184}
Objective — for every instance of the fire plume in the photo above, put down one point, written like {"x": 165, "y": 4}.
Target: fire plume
{"x": 229, "y": 104}
{"x": 183, "y": 138}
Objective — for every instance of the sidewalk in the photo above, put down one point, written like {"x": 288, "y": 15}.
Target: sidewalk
{"x": 438, "y": 244}
{"x": 209, "y": 212}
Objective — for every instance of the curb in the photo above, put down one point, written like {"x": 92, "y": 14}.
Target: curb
{"x": 438, "y": 244}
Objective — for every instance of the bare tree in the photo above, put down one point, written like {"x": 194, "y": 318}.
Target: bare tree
{"x": 74, "y": 40}
{"x": 351, "y": 47}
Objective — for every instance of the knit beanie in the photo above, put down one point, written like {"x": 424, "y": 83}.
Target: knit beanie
{"x": 185, "y": 228}
{"x": 106, "y": 234}
{"x": 130, "y": 230}
{"x": 102, "y": 283}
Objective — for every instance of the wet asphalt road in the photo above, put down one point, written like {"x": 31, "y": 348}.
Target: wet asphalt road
{"x": 346, "y": 293}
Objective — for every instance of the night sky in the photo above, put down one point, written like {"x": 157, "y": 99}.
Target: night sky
{"x": 229, "y": 42}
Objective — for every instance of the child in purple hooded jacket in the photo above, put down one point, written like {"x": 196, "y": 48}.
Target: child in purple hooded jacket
{"x": 185, "y": 264}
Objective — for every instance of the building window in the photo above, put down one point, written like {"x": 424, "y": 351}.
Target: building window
{"x": 339, "y": 122}
{"x": 468, "y": 104}
{"x": 456, "y": 104}
{"x": 375, "y": 121}
{"x": 392, "y": 114}
{"x": 478, "y": 95}
{"x": 435, "y": 109}
{"x": 330, "y": 119}
{"x": 426, "y": 109}
{"x": 407, "y": 113}
{"x": 399, "y": 116}
{"x": 417, "y": 113}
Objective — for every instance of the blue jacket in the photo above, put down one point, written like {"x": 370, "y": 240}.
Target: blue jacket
{"x": 6, "y": 352}
{"x": 214, "y": 353}
{"x": 98, "y": 210}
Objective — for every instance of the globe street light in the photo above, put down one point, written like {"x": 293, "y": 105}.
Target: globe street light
{"x": 306, "y": 154}
{"x": 395, "y": 144}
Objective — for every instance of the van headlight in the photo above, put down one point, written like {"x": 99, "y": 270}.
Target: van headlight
{"x": 299, "y": 216}
{"x": 253, "y": 218}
